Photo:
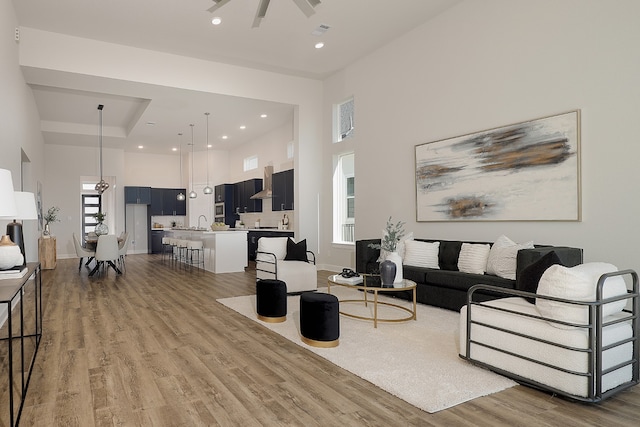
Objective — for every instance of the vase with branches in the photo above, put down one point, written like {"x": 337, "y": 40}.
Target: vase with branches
{"x": 49, "y": 217}
{"x": 393, "y": 233}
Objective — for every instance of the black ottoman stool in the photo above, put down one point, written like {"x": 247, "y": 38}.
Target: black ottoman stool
{"x": 319, "y": 319}
{"x": 271, "y": 300}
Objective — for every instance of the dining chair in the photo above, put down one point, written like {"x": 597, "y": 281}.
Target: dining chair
{"x": 123, "y": 246}
{"x": 106, "y": 252}
{"x": 82, "y": 252}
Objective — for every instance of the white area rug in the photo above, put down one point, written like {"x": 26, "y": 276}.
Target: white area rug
{"x": 416, "y": 361}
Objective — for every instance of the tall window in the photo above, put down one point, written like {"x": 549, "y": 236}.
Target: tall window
{"x": 344, "y": 121}
{"x": 344, "y": 199}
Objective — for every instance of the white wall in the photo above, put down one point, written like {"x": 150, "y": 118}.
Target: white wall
{"x": 64, "y": 168}
{"x": 492, "y": 63}
{"x": 19, "y": 123}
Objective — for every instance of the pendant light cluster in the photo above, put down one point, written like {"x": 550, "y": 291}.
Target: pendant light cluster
{"x": 192, "y": 194}
{"x": 101, "y": 186}
{"x": 207, "y": 189}
{"x": 181, "y": 195}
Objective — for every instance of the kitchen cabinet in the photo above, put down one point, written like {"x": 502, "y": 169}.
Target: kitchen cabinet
{"x": 156, "y": 241}
{"x": 254, "y": 235}
{"x": 242, "y": 196}
{"x": 223, "y": 193}
{"x": 164, "y": 201}
{"x": 282, "y": 199}
{"x": 137, "y": 195}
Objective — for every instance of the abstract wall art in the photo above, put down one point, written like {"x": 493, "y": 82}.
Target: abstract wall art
{"x": 528, "y": 171}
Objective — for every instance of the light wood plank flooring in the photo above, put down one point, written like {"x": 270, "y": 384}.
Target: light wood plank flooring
{"x": 153, "y": 348}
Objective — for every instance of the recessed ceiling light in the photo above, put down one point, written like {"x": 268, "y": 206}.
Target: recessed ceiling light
{"x": 243, "y": 127}
{"x": 216, "y": 20}
{"x": 224, "y": 137}
{"x": 263, "y": 115}
{"x": 209, "y": 145}
{"x": 140, "y": 146}
{"x": 174, "y": 149}
{"x": 319, "y": 45}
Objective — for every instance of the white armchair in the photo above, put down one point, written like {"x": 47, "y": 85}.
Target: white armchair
{"x": 299, "y": 275}
{"x": 581, "y": 346}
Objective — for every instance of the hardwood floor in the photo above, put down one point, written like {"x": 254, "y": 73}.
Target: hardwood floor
{"x": 153, "y": 348}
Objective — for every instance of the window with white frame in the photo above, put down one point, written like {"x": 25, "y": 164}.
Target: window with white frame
{"x": 344, "y": 199}
{"x": 250, "y": 163}
{"x": 344, "y": 121}
{"x": 290, "y": 150}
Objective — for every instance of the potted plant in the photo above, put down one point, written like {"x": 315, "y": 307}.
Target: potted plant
{"x": 101, "y": 227}
{"x": 393, "y": 233}
{"x": 49, "y": 217}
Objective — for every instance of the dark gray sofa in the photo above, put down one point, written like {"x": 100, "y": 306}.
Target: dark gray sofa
{"x": 447, "y": 287}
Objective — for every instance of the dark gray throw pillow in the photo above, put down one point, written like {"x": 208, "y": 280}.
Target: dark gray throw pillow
{"x": 448, "y": 255}
{"x": 296, "y": 251}
{"x": 530, "y": 275}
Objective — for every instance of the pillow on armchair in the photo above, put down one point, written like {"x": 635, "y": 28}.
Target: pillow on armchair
{"x": 578, "y": 283}
{"x": 274, "y": 245}
{"x": 296, "y": 251}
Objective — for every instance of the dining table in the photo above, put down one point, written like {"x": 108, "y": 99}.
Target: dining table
{"x": 91, "y": 243}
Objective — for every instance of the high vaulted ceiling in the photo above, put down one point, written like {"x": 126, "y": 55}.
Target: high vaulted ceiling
{"x": 282, "y": 43}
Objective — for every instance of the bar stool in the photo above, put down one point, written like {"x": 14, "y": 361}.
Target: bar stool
{"x": 166, "y": 246}
{"x": 181, "y": 246}
{"x": 195, "y": 246}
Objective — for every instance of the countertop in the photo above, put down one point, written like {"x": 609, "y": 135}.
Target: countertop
{"x": 207, "y": 230}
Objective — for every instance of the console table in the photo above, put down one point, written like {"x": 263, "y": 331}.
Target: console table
{"x": 20, "y": 335}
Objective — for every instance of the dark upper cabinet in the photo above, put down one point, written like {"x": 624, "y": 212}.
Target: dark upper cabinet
{"x": 242, "y": 196}
{"x": 282, "y": 199}
{"x": 180, "y": 205}
{"x": 157, "y": 198}
{"x": 137, "y": 195}
{"x": 164, "y": 201}
{"x": 223, "y": 193}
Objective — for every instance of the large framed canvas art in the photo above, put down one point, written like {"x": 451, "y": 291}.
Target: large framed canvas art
{"x": 528, "y": 171}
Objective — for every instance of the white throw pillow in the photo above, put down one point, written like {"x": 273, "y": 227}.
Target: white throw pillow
{"x": 473, "y": 258}
{"x": 274, "y": 245}
{"x": 578, "y": 284}
{"x": 400, "y": 246}
{"x": 502, "y": 257}
{"x": 421, "y": 254}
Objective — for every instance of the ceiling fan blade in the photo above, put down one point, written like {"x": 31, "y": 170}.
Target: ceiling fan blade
{"x": 260, "y": 13}
{"x": 218, "y": 4}
{"x": 307, "y": 6}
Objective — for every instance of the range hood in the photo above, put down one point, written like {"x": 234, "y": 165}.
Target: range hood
{"x": 267, "y": 185}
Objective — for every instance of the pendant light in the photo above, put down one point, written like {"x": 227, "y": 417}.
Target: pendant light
{"x": 192, "y": 194}
{"x": 181, "y": 195}
{"x": 207, "y": 189}
{"x": 101, "y": 186}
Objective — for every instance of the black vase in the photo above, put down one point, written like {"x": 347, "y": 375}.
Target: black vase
{"x": 387, "y": 273}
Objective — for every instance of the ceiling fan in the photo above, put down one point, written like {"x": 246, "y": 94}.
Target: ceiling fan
{"x": 306, "y": 6}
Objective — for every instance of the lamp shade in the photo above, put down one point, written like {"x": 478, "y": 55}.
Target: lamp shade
{"x": 26, "y": 205}
{"x": 8, "y": 208}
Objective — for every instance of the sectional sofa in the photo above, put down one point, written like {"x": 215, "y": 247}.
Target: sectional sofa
{"x": 443, "y": 285}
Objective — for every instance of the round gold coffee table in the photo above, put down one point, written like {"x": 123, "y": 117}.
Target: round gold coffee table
{"x": 407, "y": 285}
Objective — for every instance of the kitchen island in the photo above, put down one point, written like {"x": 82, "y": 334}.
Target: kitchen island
{"x": 224, "y": 251}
